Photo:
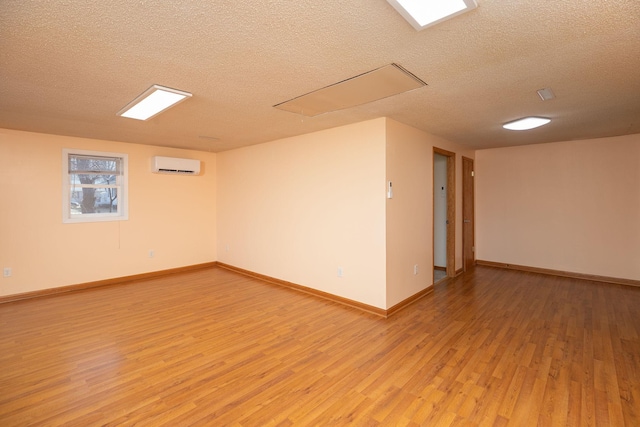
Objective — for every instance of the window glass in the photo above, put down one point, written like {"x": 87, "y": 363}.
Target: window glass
{"x": 95, "y": 186}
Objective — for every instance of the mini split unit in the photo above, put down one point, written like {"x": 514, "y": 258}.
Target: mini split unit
{"x": 171, "y": 165}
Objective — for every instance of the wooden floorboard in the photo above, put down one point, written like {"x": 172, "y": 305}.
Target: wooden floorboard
{"x": 492, "y": 347}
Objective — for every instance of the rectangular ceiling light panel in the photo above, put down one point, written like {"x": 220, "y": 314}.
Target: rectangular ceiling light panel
{"x": 425, "y": 13}
{"x": 371, "y": 86}
{"x": 526, "y": 123}
{"x": 153, "y": 101}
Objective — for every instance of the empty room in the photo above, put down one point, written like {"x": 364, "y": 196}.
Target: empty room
{"x": 378, "y": 212}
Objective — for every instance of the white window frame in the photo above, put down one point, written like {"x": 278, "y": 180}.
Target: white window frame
{"x": 122, "y": 184}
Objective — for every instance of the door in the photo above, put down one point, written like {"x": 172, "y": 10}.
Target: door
{"x": 468, "y": 214}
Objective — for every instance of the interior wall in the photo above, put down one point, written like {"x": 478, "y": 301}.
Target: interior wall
{"x": 570, "y": 206}
{"x": 409, "y": 218}
{"x": 172, "y": 215}
{"x": 299, "y": 209}
{"x": 440, "y": 210}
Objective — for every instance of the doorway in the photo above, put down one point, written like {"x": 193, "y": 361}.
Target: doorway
{"x": 443, "y": 214}
{"x": 468, "y": 214}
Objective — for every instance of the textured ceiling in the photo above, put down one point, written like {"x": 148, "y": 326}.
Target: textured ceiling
{"x": 67, "y": 67}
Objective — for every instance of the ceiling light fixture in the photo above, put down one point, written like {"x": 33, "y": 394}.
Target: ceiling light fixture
{"x": 526, "y": 123}
{"x": 153, "y": 101}
{"x": 422, "y": 14}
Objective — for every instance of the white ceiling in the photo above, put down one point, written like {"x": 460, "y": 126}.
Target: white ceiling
{"x": 67, "y": 67}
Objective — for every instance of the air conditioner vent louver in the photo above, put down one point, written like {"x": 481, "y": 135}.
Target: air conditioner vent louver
{"x": 171, "y": 165}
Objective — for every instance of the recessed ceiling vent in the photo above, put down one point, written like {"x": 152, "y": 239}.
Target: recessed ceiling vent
{"x": 546, "y": 94}
{"x": 371, "y": 86}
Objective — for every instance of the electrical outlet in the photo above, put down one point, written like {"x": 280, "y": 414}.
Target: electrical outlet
{"x": 6, "y": 272}
{"x": 152, "y": 253}
{"x": 340, "y": 272}
{"x": 415, "y": 269}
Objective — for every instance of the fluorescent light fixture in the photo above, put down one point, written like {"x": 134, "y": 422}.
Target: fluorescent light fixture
{"x": 425, "y": 13}
{"x": 153, "y": 101}
{"x": 526, "y": 123}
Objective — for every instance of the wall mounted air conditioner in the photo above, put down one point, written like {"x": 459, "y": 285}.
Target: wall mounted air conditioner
{"x": 173, "y": 165}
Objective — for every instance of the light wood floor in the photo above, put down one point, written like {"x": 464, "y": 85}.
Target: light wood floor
{"x": 213, "y": 348}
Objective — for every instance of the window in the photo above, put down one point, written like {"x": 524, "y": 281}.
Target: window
{"x": 94, "y": 186}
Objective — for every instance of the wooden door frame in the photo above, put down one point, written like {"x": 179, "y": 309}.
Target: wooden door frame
{"x": 451, "y": 209}
{"x": 468, "y": 178}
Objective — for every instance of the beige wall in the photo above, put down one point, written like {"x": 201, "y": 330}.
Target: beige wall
{"x": 172, "y": 215}
{"x": 299, "y": 208}
{"x": 570, "y": 206}
{"x": 296, "y": 209}
{"x": 409, "y": 215}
